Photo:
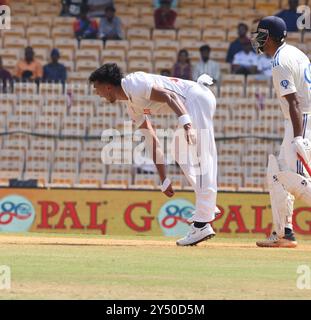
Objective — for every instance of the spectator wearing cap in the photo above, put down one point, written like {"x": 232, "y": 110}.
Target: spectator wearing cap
{"x": 5, "y": 78}
{"x": 110, "y": 26}
{"x": 206, "y": 65}
{"x": 72, "y": 8}
{"x": 245, "y": 61}
{"x": 97, "y": 7}
{"x": 237, "y": 45}
{"x": 182, "y": 68}
{"x": 165, "y": 17}
{"x": 28, "y": 69}
{"x": 290, "y": 15}
{"x": 54, "y": 71}
{"x": 84, "y": 27}
{"x": 156, "y": 3}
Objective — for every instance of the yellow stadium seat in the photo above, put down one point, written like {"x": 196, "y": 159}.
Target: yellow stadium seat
{"x": 202, "y": 14}
{"x": 140, "y": 22}
{"x": 87, "y": 54}
{"x": 188, "y": 23}
{"x": 62, "y": 32}
{"x": 117, "y": 45}
{"x": 44, "y": 22}
{"x": 22, "y": 9}
{"x": 139, "y": 55}
{"x": 159, "y": 34}
{"x": 10, "y": 54}
{"x": 168, "y": 45}
{"x": 134, "y": 66}
{"x": 241, "y": 4}
{"x": 268, "y": 6}
{"x": 191, "y": 3}
{"x": 40, "y": 43}
{"x": 214, "y": 35}
{"x": 86, "y": 66}
{"x": 61, "y": 43}
{"x": 46, "y": 9}
{"x": 81, "y": 77}
{"x": 113, "y": 55}
{"x": 189, "y": 34}
{"x": 64, "y": 22}
{"x": 138, "y": 34}
{"x": 165, "y": 56}
{"x": 216, "y": 4}
{"x": 19, "y": 21}
{"x": 91, "y": 44}
{"x": 141, "y": 45}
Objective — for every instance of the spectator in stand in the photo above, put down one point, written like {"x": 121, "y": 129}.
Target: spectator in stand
{"x": 290, "y": 15}
{"x": 97, "y": 7}
{"x": 245, "y": 61}
{"x": 5, "y": 78}
{"x": 264, "y": 67}
{"x": 110, "y": 27}
{"x": 28, "y": 69}
{"x": 72, "y": 8}
{"x": 84, "y": 27}
{"x": 165, "y": 17}
{"x": 182, "y": 68}
{"x": 156, "y": 3}
{"x": 206, "y": 65}
{"x": 237, "y": 45}
{"x": 55, "y": 71}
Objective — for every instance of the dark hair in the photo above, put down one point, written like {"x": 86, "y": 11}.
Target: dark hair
{"x": 108, "y": 73}
{"x": 241, "y": 24}
{"x": 205, "y": 47}
{"x": 186, "y": 53}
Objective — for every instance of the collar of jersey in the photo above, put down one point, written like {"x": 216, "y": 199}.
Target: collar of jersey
{"x": 278, "y": 51}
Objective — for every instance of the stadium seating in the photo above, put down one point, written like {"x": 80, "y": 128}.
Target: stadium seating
{"x": 42, "y": 116}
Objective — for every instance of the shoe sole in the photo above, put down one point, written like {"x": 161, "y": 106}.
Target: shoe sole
{"x": 292, "y": 244}
{"x": 210, "y": 236}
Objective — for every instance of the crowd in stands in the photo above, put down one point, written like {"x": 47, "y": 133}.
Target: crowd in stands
{"x": 240, "y": 54}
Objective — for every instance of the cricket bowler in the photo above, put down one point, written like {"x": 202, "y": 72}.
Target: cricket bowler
{"x": 194, "y": 105}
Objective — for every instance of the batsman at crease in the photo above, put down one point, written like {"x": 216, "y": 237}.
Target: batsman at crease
{"x": 288, "y": 175}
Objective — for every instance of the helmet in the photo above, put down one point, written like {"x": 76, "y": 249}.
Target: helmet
{"x": 268, "y": 27}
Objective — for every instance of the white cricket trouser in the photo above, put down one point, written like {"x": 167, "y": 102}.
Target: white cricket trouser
{"x": 288, "y": 157}
{"x": 200, "y": 168}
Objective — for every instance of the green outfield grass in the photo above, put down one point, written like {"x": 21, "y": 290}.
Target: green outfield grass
{"x": 219, "y": 269}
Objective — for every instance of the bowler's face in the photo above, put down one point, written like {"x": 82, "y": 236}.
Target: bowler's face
{"x": 106, "y": 91}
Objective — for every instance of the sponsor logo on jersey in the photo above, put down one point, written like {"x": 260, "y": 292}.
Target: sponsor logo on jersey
{"x": 285, "y": 84}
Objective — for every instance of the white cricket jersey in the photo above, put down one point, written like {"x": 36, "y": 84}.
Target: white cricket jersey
{"x": 138, "y": 86}
{"x": 291, "y": 71}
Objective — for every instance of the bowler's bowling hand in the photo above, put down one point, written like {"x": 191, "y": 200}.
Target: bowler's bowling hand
{"x": 190, "y": 134}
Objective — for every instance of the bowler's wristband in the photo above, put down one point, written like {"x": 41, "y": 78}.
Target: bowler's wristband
{"x": 184, "y": 119}
{"x": 166, "y": 183}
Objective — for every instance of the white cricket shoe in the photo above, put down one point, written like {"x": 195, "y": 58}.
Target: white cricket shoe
{"x": 190, "y": 220}
{"x": 196, "y": 235}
